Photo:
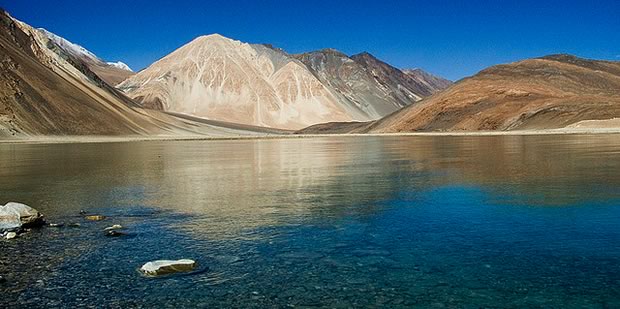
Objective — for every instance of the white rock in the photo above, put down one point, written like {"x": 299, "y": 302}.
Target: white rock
{"x": 164, "y": 267}
{"x": 10, "y": 235}
{"x": 114, "y": 227}
{"x": 16, "y": 215}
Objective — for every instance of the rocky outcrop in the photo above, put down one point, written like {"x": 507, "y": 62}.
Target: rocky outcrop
{"x": 15, "y": 216}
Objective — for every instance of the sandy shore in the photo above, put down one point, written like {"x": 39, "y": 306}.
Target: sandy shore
{"x": 119, "y": 139}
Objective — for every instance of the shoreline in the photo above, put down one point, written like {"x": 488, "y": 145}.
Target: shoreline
{"x": 76, "y": 139}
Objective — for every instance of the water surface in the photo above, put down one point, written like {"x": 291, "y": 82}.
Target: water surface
{"x": 497, "y": 221}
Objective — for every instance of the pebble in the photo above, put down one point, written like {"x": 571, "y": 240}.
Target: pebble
{"x": 95, "y": 218}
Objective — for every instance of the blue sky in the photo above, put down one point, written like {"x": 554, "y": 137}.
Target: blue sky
{"x": 450, "y": 38}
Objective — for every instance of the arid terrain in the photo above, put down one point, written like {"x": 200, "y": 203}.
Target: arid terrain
{"x": 219, "y": 87}
{"x": 552, "y": 92}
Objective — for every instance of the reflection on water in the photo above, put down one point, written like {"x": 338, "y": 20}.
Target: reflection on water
{"x": 351, "y": 221}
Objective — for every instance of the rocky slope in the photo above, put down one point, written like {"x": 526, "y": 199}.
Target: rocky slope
{"x": 221, "y": 79}
{"x": 46, "y": 91}
{"x": 544, "y": 93}
{"x": 364, "y": 82}
{"x": 427, "y": 80}
{"x": 397, "y": 81}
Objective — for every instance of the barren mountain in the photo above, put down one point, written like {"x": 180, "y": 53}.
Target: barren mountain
{"x": 364, "y": 82}
{"x": 111, "y": 72}
{"x": 46, "y": 91}
{"x": 549, "y": 92}
{"x": 221, "y": 79}
{"x": 217, "y": 78}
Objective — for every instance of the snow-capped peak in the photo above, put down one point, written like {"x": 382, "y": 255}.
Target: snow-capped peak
{"x": 67, "y": 45}
{"x": 120, "y": 65}
{"x": 78, "y": 50}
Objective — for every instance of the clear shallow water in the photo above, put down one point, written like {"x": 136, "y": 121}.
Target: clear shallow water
{"x": 334, "y": 222}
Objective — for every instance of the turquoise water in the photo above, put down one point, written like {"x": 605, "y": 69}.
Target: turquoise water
{"x": 392, "y": 222}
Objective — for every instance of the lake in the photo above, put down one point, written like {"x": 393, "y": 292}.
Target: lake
{"x": 409, "y": 221}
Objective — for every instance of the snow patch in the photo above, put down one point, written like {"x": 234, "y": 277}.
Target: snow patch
{"x": 120, "y": 65}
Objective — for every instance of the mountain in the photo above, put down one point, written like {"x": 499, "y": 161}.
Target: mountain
{"x": 111, "y": 72}
{"x": 46, "y": 91}
{"x": 543, "y": 93}
{"x": 364, "y": 82}
{"x": 222, "y": 79}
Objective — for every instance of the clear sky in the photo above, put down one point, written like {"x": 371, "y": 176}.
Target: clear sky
{"x": 450, "y": 38}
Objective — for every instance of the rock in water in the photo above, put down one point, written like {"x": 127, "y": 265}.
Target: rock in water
{"x": 10, "y": 235}
{"x": 165, "y": 267}
{"x": 114, "y": 227}
{"x": 14, "y": 216}
{"x": 94, "y": 218}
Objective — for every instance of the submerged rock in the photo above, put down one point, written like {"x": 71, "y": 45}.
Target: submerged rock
{"x": 14, "y": 216}
{"x": 74, "y": 224}
{"x": 56, "y": 224}
{"x": 94, "y": 218}
{"x": 166, "y": 267}
{"x": 114, "y": 233}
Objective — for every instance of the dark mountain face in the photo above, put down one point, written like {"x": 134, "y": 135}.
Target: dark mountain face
{"x": 393, "y": 78}
{"x": 432, "y": 82}
{"x": 365, "y": 82}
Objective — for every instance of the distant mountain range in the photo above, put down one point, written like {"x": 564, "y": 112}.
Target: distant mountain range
{"x": 218, "y": 86}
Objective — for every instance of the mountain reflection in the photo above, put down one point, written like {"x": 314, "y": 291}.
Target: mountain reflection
{"x": 234, "y": 186}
